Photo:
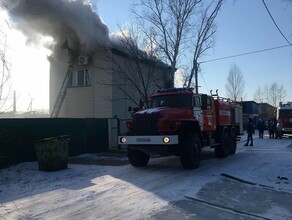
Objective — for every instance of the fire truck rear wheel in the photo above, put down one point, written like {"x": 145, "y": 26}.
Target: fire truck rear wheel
{"x": 190, "y": 156}
{"x": 233, "y": 142}
{"x": 223, "y": 149}
{"x": 138, "y": 158}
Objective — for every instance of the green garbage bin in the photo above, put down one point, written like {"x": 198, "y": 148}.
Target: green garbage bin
{"x": 52, "y": 153}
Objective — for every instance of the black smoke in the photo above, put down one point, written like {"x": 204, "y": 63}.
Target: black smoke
{"x": 73, "y": 21}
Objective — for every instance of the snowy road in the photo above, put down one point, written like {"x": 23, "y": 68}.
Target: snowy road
{"x": 255, "y": 183}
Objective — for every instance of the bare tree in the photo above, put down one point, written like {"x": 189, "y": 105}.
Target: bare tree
{"x": 272, "y": 94}
{"x": 266, "y": 93}
{"x": 235, "y": 83}
{"x": 288, "y": 1}
{"x": 259, "y": 95}
{"x": 5, "y": 83}
{"x": 169, "y": 25}
{"x": 141, "y": 72}
{"x": 204, "y": 38}
{"x": 282, "y": 93}
{"x": 277, "y": 93}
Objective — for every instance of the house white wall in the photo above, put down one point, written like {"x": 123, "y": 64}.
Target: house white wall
{"x": 91, "y": 101}
{"x": 103, "y": 98}
{"x": 101, "y": 79}
{"x": 132, "y": 67}
{"x": 120, "y": 100}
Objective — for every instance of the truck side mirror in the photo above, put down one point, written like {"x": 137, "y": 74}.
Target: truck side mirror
{"x": 204, "y": 101}
{"x": 135, "y": 109}
{"x": 141, "y": 104}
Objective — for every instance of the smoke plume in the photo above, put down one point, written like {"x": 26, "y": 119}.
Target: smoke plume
{"x": 72, "y": 20}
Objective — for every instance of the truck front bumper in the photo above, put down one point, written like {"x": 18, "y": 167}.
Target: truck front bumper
{"x": 287, "y": 130}
{"x": 148, "y": 140}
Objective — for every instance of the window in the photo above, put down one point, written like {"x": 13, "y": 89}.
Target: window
{"x": 80, "y": 78}
{"x": 197, "y": 101}
{"x": 285, "y": 112}
{"x": 209, "y": 103}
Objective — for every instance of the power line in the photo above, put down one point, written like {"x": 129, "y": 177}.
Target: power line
{"x": 247, "y": 53}
{"x": 204, "y": 81}
{"x": 257, "y": 51}
{"x": 275, "y": 22}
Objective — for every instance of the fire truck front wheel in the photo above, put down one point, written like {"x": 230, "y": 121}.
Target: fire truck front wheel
{"x": 138, "y": 158}
{"x": 190, "y": 155}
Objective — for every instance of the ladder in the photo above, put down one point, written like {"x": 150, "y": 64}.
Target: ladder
{"x": 62, "y": 93}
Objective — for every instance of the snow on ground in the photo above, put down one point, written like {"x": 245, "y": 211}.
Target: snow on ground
{"x": 125, "y": 192}
{"x": 269, "y": 163}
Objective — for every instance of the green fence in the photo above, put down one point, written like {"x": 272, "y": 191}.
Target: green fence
{"x": 17, "y": 136}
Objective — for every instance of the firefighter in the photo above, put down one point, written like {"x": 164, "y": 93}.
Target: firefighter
{"x": 271, "y": 128}
{"x": 279, "y": 129}
{"x": 250, "y": 131}
{"x": 261, "y": 128}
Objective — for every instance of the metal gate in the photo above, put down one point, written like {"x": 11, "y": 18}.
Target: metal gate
{"x": 116, "y": 127}
{"x": 113, "y": 132}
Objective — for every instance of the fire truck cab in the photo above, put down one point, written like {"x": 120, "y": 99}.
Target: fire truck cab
{"x": 284, "y": 113}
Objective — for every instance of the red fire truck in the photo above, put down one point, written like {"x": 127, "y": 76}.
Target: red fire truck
{"x": 180, "y": 122}
{"x": 284, "y": 113}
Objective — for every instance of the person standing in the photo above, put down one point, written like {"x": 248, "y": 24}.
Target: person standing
{"x": 250, "y": 131}
{"x": 279, "y": 129}
{"x": 261, "y": 128}
{"x": 275, "y": 128}
{"x": 271, "y": 128}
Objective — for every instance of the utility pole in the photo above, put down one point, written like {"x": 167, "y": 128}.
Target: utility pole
{"x": 197, "y": 78}
{"x": 3, "y": 58}
{"x": 29, "y": 108}
{"x": 14, "y": 102}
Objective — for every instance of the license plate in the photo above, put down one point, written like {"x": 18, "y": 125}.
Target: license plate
{"x": 143, "y": 140}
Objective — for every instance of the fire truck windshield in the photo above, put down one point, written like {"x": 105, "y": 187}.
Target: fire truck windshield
{"x": 172, "y": 101}
{"x": 285, "y": 113}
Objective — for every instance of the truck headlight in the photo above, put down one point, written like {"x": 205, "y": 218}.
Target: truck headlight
{"x": 166, "y": 140}
{"x": 123, "y": 139}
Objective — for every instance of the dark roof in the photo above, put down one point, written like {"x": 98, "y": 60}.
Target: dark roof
{"x": 248, "y": 102}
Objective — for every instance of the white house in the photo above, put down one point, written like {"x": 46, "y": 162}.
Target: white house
{"x": 92, "y": 85}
